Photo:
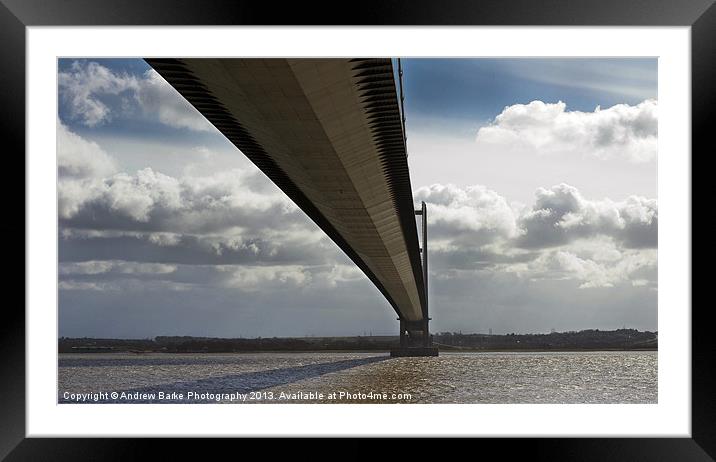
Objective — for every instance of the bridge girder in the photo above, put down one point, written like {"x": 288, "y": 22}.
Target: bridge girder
{"x": 328, "y": 133}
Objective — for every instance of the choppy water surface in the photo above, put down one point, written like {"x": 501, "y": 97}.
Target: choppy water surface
{"x": 584, "y": 377}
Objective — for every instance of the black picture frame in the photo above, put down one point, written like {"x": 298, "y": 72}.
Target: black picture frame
{"x": 16, "y": 15}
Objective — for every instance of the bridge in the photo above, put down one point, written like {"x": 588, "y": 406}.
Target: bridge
{"x": 330, "y": 133}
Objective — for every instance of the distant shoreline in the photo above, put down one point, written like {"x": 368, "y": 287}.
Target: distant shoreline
{"x": 353, "y": 351}
{"x": 586, "y": 340}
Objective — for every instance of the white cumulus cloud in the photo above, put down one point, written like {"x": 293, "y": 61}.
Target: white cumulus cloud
{"x": 561, "y": 214}
{"x": 631, "y": 268}
{"x": 80, "y": 158}
{"x": 253, "y": 278}
{"x": 83, "y": 86}
{"x": 94, "y": 94}
{"x": 621, "y": 131}
{"x": 562, "y": 235}
{"x": 454, "y": 211}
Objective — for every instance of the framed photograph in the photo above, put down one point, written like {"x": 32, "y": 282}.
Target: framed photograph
{"x": 406, "y": 221}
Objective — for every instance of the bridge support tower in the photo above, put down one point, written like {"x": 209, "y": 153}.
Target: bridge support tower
{"x": 415, "y": 337}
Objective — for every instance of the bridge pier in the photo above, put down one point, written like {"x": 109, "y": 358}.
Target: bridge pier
{"x": 415, "y": 338}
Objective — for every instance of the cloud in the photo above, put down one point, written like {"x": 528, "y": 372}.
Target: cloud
{"x": 116, "y": 275}
{"x": 158, "y": 98}
{"x": 79, "y": 165}
{"x": 122, "y": 229}
{"x": 470, "y": 212}
{"x": 80, "y": 158}
{"x": 113, "y": 266}
{"x": 127, "y": 275}
{"x": 631, "y": 267}
{"x": 83, "y": 87}
{"x": 133, "y": 197}
{"x": 85, "y": 286}
{"x": 206, "y": 220}
{"x": 94, "y": 94}
{"x": 94, "y": 196}
{"x": 476, "y": 215}
{"x": 229, "y": 217}
{"x": 281, "y": 248}
{"x": 621, "y": 131}
{"x": 150, "y": 201}
{"x": 249, "y": 278}
{"x": 560, "y": 215}
{"x": 600, "y": 243}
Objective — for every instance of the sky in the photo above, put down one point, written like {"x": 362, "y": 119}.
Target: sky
{"x": 540, "y": 177}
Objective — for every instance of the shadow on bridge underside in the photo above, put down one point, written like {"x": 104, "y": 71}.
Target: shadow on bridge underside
{"x": 239, "y": 383}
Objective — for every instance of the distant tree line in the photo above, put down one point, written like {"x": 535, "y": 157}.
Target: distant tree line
{"x": 592, "y": 339}
{"x": 187, "y": 344}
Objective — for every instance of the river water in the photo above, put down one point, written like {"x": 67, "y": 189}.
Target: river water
{"x": 553, "y": 377}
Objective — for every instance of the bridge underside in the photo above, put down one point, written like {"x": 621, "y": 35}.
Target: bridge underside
{"x": 328, "y": 132}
